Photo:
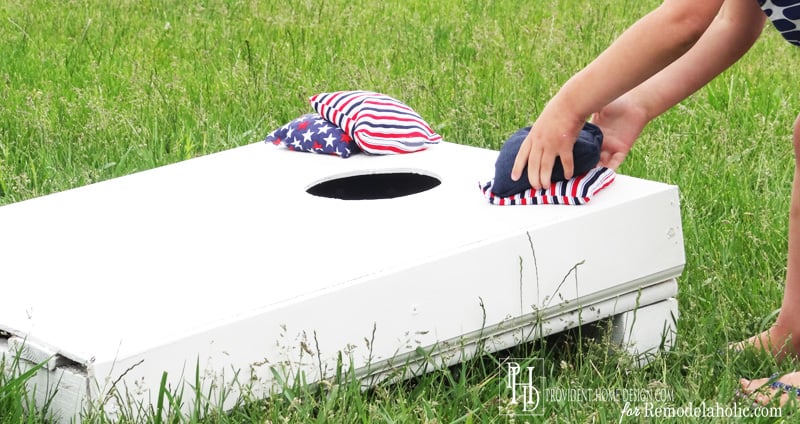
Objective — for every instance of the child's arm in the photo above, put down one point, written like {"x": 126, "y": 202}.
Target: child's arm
{"x": 737, "y": 26}
{"x": 644, "y": 49}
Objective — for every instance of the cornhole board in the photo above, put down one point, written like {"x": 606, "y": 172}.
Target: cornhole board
{"x": 226, "y": 270}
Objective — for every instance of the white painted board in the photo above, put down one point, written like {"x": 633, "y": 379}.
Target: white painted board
{"x": 226, "y": 260}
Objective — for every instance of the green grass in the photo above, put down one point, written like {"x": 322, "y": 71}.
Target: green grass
{"x": 91, "y": 90}
{"x": 15, "y": 402}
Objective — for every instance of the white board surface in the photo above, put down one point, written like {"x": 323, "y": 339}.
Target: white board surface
{"x": 225, "y": 259}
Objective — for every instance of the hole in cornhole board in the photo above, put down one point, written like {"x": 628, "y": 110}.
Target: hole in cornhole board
{"x": 374, "y": 186}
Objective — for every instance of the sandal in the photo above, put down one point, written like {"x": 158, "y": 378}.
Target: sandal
{"x": 773, "y": 382}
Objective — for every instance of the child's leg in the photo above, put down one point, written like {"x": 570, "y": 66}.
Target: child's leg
{"x": 783, "y": 339}
{"x": 789, "y": 317}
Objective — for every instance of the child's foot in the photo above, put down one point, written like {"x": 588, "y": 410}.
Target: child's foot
{"x": 777, "y": 341}
{"x": 765, "y": 391}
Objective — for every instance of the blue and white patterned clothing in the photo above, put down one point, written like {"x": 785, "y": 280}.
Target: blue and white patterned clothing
{"x": 785, "y": 15}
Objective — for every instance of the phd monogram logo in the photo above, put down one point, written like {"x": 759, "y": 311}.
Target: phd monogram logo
{"x": 523, "y": 377}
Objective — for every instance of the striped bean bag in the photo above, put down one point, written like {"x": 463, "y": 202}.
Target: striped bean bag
{"x": 578, "y": 190}
{"x": 379, "y": 124}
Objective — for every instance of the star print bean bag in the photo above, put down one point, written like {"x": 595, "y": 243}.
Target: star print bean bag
{"x": 312, "y": 133}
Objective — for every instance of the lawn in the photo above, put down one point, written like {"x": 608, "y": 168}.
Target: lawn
{"x": 92, "y": 90}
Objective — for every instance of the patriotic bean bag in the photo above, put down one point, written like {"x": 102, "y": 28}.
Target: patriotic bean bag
{"x": 379, "y": 124}
{"x": 312, "y": 133}
{"x": 578, "y": 190}
{"x": 585, "y": 156}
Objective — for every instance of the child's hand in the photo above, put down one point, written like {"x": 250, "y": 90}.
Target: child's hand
{"x": 621, "y": 122}
{"x": 553, "y": 135}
